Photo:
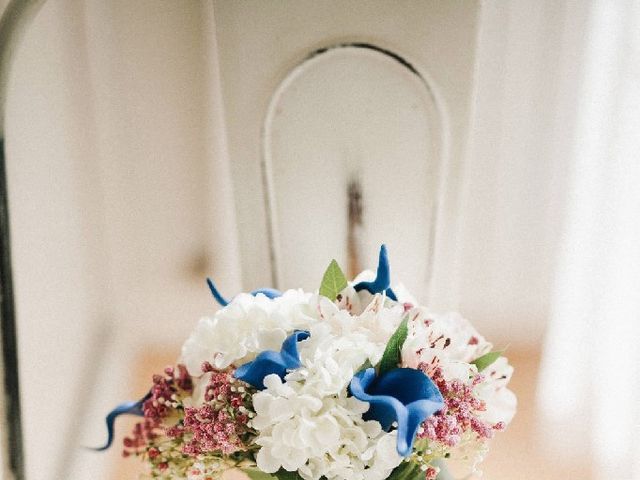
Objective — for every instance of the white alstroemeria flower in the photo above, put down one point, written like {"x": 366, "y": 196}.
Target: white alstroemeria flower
{"x": 446, "y": 341}
{"x": 402, "y": 293}
{"x": 466, "y": 342}
{"x": 248, "y": 325}
{"x": 466, "y": 458}
{"x": 501, "y": 402}
{"x": 374, "y": 316}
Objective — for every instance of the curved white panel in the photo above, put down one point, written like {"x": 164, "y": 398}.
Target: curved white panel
{"x": 352, "y": 113}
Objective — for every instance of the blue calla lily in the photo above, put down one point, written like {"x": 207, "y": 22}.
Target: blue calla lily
{"x": 267, "y": 292}
{"x": 126, "y": 408}
{"x": 404, "y": 395}
{"x": 270, "y": 362}
{"x": 383, "y": 277}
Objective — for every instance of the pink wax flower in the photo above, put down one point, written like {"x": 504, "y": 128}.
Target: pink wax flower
{"x": 166, "y": 392}
{"x": 220, "y": 424}
{"x": 460, "y": 414}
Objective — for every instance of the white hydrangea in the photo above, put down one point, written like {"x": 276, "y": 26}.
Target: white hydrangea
{"x": 342, "y": 342}
{"x": 248, "y": 325}
{"x": 329, "y": 362}
{"x": 374, "y": 316}
{"x": 319, "y": 437}
{"x": 308, "y": 423}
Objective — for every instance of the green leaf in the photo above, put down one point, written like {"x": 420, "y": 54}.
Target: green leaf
{"x": 282, "y": 474}
{"x": 285, "y": 475}
{"x": 407, "y": 471}
{"x": 392, "y": 352}
{"x": 485, "y": 360}
{"x": 255, "y": 474}
{"x": 333, "y": 281}
{"x": 366, "y": 365}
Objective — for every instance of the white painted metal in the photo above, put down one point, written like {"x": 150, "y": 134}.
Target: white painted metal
{"x": 352, "y": 113}
{"x": 261, "y": 44}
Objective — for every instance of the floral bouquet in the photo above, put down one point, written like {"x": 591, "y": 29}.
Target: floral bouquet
{"x": 354, "y": 382}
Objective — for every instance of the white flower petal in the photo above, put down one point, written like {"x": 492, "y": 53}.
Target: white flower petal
{"x": 266, "y": 461}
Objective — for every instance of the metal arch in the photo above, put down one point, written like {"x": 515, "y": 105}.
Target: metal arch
{"x": 13, "y": 25}
{"x": 266, "y": 162}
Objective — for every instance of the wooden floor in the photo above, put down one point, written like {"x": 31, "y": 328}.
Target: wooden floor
{"x": 515, "y": 454}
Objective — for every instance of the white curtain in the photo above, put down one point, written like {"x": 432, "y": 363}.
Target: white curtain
{"x": 589, "y": 389}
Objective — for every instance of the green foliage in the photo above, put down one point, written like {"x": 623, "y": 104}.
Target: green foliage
{"x": 407, "y": 471}
{"x": 255, "y": 474}
{"x": 392, "y": 352}
{"x": 485, "y": 360}
{"x": 366, "y": 365}
{"x": 333, "y": 281}
{"x": 284, "y": 475}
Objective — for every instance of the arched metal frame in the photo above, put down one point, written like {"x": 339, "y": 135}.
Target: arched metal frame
{"x": 442, "y": 151}
{"x": 14, "y": 23}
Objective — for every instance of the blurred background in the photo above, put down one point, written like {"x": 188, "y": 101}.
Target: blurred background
{"x": 492, "y": 145}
